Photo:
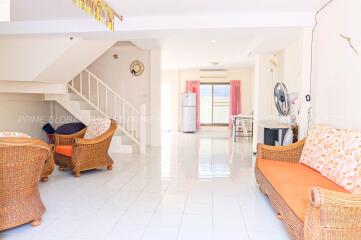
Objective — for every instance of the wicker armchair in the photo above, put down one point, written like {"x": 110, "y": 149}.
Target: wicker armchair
{"x": 49, "y": 166}
{"x": 21, "y": 162}
{"x": 85, "y": 154}
{"x": 330, "y": 215}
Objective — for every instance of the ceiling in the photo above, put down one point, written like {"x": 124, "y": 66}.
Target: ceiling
{"x": 185, "y": 46}
{"x": 229, "y": 48}
{"x": 30, "y": 10}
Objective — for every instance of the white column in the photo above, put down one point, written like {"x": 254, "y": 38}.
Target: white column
{"x": 256, "y": 93}
{"x": 305, "y": 76}
{"x": 143, "y": 128}
{"x": 155, "y": 91}
{"x": 5, "y": 11}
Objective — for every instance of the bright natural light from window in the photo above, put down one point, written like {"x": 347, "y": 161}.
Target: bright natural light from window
{"x": 214, "y": 104}
{"x": 4, "y": 10}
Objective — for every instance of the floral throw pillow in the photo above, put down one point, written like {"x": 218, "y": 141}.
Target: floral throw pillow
{"x": 97, "y": 127}
{"x": 344, "y": 163}
{"x": 14, "y": 135}
{"x": 317, "y": 147}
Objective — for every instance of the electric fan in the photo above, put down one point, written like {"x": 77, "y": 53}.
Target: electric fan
{"x": 281, "y": 95}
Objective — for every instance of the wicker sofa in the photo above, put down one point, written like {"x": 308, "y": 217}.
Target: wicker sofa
{"x": 311, "y": 206}
{"x": 79, "y": 154}
{"x": 21, "y": 161}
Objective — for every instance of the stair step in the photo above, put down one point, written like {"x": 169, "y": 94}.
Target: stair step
{"x": 95, "y": 114}
{"x": 74, "y": 97}
{"x": 85, "y": 106}
{"x": 84, "y": 111}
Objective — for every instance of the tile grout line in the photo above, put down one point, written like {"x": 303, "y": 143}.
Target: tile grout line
{"x": 134, "y": 176}
{"x": 244, "y": 220}
{"x": 213, "y": 214}
{"x": 155, "y": 210}
{"x": 185, "y": 206}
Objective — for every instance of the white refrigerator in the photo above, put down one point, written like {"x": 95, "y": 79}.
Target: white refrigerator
{"x": 189, "y": 112}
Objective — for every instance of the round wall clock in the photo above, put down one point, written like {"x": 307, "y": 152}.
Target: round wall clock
{"x": 136, "y": 68}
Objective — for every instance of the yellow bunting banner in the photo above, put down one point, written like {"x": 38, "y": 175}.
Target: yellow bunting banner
{"x": 101, "y": 11}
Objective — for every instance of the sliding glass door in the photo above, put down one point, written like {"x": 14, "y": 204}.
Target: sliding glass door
{"x": 214, "y": 109}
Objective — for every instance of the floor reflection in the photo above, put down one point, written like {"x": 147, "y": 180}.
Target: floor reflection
{"x": 204, "y": 155}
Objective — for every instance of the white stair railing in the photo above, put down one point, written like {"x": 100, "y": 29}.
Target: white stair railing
{"x": 108, "y": 103}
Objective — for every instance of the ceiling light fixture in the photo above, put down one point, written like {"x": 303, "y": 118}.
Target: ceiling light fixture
{"x": 213, "y": 41}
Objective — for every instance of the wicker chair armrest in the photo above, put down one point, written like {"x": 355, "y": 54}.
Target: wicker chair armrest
{"x": 93, "y": 141}
{"x": 82, "y": 141}
{"x": 68, "y": 139}
{"x": 290, "y": 153}
{"x": 325, "y": 198}
{"x": 24, "y": 141}
{"x": 333, "y": 215}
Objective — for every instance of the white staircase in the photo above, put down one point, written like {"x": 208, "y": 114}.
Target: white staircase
{"x": 89, "y": 98}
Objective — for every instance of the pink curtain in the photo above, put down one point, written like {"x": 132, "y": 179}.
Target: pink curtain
{"x": 235, "y": 99}
{"x": 193, "y": 87}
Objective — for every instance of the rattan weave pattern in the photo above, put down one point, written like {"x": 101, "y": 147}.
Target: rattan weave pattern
{"x": 48, "y": 168}
{"x": 330, "y": 215}
{"x": 21, "y": 163}
{"x": 87, "y": 153}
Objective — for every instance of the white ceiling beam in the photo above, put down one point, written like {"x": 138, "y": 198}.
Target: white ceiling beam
{"x": 299, "y": 19}
{"x": 219, "y": 21}
{"x": 32, "y": 87}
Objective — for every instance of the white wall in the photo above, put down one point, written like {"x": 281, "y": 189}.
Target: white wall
{"x": 290, "y": 70}
{"x": 337, "y": 69}
{"x": 171, "y": 78}
{"x": 5, "y": 11}
{"x": 24, "y": 113}
{"x": 155, "y": 98}
{"x": 137, "y": 90}
{"x": 292, "y": 66}
{"x": 305, "y": 38}
{"x": 29, "y": 112}
{"x": 176, "y": 80}
{"x": 116, "y": 74}
{"x": 47, "y": 59}
{"x": 264, "y": 108}
{"x": 59, "y": 115}
{"x": 22, "y": 59}
{"x": 73, "y": 60}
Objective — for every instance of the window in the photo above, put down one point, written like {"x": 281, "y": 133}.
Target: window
{"x": 214, "y": 106}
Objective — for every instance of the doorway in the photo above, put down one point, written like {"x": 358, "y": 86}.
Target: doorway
{"x": 214, "y": 104}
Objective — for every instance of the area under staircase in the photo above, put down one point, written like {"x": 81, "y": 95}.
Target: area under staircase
{"x": 89, "y": 97}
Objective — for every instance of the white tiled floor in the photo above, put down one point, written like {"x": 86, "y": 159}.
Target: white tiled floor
{"x": 198, "y": 186}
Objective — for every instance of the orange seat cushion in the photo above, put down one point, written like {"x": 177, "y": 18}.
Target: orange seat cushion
{"x": 293, "y": 181}
{"x": 66, "y": 150}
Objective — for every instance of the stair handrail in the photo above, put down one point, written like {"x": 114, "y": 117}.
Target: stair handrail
{"x": 141, "y": 113}
{"x": 112, "y": 91}
{"x": 104, "y": 114}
